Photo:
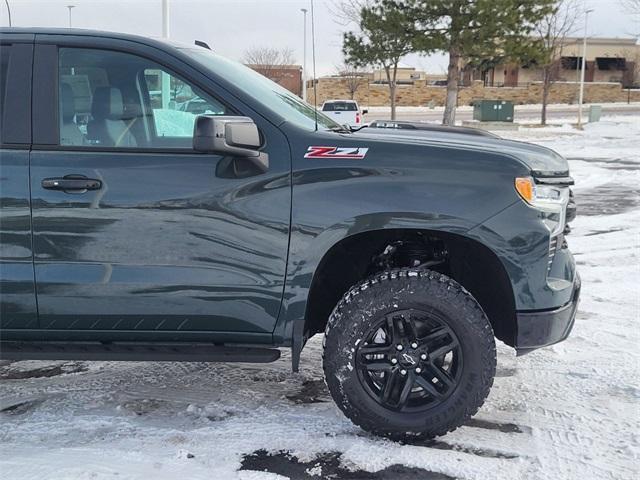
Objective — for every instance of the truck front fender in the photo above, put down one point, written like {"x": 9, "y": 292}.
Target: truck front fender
{"x": 308, "y": 252}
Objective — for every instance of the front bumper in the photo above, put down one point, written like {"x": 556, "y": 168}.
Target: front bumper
{"x": 541, "y": 328}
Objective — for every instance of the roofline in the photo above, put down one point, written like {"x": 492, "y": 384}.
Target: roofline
{"x": 623, "y": 40}
{"x": 151, "y": 41}
{"x": 65, "y": 31}
{"x": 292, "y": 66}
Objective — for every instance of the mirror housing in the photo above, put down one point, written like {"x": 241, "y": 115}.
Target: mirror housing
{"x": 226, "y": 135}
{"x": 365, "y": 111}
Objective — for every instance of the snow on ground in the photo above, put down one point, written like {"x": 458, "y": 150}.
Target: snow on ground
{"x": 571, "y": 411}
{"x": 519, "y": 108}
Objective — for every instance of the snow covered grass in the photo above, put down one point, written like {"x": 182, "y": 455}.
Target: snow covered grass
{"x": 518, "y": 108}
{"x": 571, "y": 411}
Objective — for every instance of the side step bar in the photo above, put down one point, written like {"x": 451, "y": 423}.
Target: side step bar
{"x": 133, "y": 351}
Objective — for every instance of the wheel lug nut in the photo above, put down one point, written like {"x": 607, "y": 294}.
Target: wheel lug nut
{"x": 418, "y": 370}
{"x": 394, "y": 360}
{"x": 414, "y": 345}
{"x": 403, "y": 372}
{"x": 399, "y": 347}
{"x": 423, "y": 356}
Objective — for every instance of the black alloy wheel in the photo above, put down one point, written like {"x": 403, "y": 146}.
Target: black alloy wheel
{"x": 411, "y": 360}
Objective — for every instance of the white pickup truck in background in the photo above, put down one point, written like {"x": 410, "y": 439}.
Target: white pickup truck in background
{"x": 345, "y": 112}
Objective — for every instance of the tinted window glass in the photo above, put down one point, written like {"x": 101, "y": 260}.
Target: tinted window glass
{"x": 174, "y": 114}
{"x": 273, "y": 96}
{"x": 5, "y": 53}
{"x": 339, "y": 107}
{"x": 115, "y": 99}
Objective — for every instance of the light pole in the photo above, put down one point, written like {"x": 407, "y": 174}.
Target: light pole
{"x": 165, "y": 18}
{"x": 70, "y": 7}
{"x": 584, "y": 64}
{"x": 304, "y": 56}
{"x": 8, "y": 10}
{"x": 165, "y": 81}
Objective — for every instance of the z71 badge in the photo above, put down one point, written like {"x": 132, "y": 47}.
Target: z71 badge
{"x": 350, "y": 153}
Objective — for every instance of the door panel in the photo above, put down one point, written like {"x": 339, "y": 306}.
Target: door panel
{"x": 17, "y": 288}
{"x": 166, "y": 239}
{"x": 165, "y": 244}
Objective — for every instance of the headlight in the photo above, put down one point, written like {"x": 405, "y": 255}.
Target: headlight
{"x": 550, "y": 200}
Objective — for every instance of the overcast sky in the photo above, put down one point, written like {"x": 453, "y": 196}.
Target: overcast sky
{"x": 230, "y": 27}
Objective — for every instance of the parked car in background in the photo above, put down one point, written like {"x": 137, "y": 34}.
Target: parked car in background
{"x": 198, "y": 106}
{"x": 345, "y": 112}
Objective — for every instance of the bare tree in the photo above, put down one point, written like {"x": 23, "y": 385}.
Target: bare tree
{"x": 631, "y": 78}
{"x": 352, "y": 77}
{"x": 346, "y": 12}
{"x": 551, "y": 33}
{"x": 631, "y": 6}
{"x": 268, "y": 61}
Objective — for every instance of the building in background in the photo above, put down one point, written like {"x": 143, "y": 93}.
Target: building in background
{"x": 406, "y": 75}
{"x": 614, "y": 60}
{"x": 289, "y": 76}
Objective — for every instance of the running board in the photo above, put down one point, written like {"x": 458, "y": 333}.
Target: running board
{"x": 133, "y": 351}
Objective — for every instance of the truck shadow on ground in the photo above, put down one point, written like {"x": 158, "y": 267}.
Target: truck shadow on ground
{"x": 45, "y": 371}
{"x": 328, "y": 465}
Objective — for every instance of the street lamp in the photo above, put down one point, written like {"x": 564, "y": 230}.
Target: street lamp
{"x": 165, "y": 18}
{"x": 165, "y": 81}
{"x": 8, "y": 10}
{"x": 70, "y": 7}
{"x": 584, "y": 63}
{"x": 304, "y": 56}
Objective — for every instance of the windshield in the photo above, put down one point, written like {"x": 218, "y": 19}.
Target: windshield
{"x": 263, "y": 90}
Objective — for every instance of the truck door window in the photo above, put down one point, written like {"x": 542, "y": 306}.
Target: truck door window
{"x": 5, "y": 55}
{"x": 4, "y": 68}
{"x": 115, "y": 99}
{"x": 175, "y": 104}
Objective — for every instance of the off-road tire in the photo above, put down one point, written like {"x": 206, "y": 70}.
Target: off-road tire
{"x": 408, "y": 288}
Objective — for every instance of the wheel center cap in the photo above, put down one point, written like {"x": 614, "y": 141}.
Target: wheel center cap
{"x": 407, "y": 360}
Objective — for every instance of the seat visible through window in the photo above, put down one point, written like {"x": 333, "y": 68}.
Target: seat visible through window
{"x": 70, "y": 134}
{"x": 108, "y": 127}
{"x": 119, "y": 100}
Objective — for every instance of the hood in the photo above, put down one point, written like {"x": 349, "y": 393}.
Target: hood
{"x": 542, "y": 161}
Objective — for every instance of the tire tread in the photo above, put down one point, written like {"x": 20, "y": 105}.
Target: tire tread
{"x": 476, "y": 317}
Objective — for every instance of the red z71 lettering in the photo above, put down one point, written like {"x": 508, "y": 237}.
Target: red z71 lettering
{"x": 351, "y": 153}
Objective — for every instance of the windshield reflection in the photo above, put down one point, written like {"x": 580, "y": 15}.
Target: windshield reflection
{"x": 275, "y": 97}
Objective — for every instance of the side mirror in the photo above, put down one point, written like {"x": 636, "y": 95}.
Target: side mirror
{"x": 226, "y": 135}
{"x": 365, "y": 111}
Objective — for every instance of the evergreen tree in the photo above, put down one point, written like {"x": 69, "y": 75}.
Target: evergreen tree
{"x": 474, "y": 31}
{"x": 385, "y": 37}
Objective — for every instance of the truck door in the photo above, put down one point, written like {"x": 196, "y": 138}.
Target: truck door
{"x": 17, "y": 288}
{"x": 136, "y": 235}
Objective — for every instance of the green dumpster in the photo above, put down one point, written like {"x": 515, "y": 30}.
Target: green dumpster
{"x": 493, "y": 111}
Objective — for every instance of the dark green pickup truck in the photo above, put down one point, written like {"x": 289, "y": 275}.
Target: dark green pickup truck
{"x": 159, "y": 202}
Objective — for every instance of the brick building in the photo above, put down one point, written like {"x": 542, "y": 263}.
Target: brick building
{"x": 289, "y": 76}
{"x": 607, "y": 60}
